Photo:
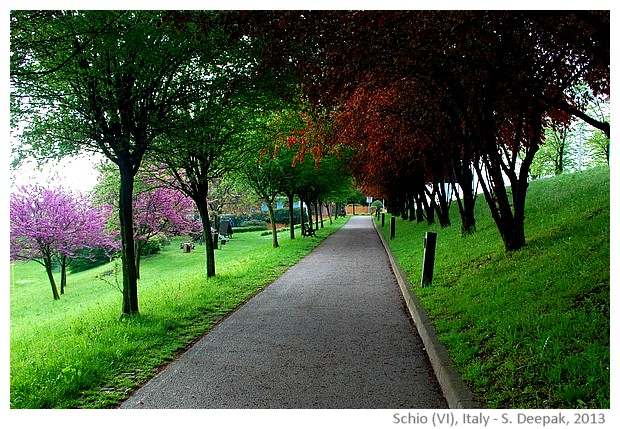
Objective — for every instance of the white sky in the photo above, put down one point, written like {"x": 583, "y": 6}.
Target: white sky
{"x": 76, "y": 173}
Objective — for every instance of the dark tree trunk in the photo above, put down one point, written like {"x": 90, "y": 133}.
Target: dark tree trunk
{"x": 125, "y": 209}
{"x": 203, "y": 209}
{"x": 47, "y": 263}
{"x": 497, "y": 199}
{"x": 309, "y": 218}
{"x": 429, "y": 207}
{"x": 461, "y": 166}
{"x": 442, "y": 207}
{"x": 138, "y": 250}
{"x": 521, "y": 184}
{"x": 559, "y": 163}
{"x": 329, "y": 212}
{"x": 291, "y": 214}
{"x": 303, "y": 217}
{"x": 411, "y": 204}
{"x": 316, "y": 216}
{"x": 274, "y": 228}
{"x": 63, "y": 274}
{"x": 511, "y": 224}
{"x": 404, "y": 207}
{"x": 419, "y": 208}
{"x": 465, "y": 178}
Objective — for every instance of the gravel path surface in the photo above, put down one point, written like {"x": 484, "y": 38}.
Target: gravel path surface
{"x": 332, "y": 332}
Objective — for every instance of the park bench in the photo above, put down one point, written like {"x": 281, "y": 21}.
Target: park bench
{"x": 220, "y": 236}
{"x": 307, "y": 231}
{"x": 225, "y": 231}
{"x": 187, "y": 246}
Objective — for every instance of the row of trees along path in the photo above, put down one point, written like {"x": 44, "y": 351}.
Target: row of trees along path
{"x": 438, "y": 97}
{"x": 414, "y": 99}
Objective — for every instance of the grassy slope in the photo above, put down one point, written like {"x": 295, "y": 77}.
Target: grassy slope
{"x": 528, "y": 329}
{"x": 77, "y": 352}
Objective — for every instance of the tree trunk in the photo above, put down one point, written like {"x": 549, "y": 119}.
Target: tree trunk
{"x": 465, "y": 179}
{"x": 429, "y": 207}
{"x": 309, "y": 218}
{"x": 521, "y": 184}
{"x": 303, "y": 217}
{"x": 607, "y": 148}
{"x": 216, "y": 223}
{"x": 274, "y": 228}
{"x": 443, "y": 209}
{"x": 125, "y": 209}
{"x": 48, "y": 269}
{"x": 329, "y": 212}
{"x": 316, "y": 215}
{"x": 411, "y": 204}
{"x": 203, "y": 209}
{"x": 419, "y": 208}
{"x": 466, "y": 211}
{"x": 559, "y": 164}
{"x": 291, "y": 214}
{"x": 138, "y": 250}
{"x": 404, "y": 206}
{"x": 63, "y": 273}
{"x": 497, "y": 199}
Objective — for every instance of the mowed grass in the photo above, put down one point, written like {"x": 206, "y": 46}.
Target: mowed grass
{"x": 528, "y": 329}
{"x": 78, "y": 353}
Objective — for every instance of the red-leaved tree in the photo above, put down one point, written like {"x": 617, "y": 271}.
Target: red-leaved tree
{"x": 477, "y": 89}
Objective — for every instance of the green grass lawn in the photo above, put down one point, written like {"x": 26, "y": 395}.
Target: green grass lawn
{"x": 78, "y": 353}
{"x": 528, "y": 329}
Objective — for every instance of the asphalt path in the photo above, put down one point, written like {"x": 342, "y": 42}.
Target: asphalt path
{"x": 331, "y": 333}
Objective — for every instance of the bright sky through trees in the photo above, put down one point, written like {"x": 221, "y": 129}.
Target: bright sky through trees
{"x": 76, "y": 173}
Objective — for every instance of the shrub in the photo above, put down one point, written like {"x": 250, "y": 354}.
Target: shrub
{"x": 152, "y": 247}
{"x": 254, "y": 222}
{"x": 238, "y": 220}
{"x": 239, "y": 229}
{"x": 86, "y": 259}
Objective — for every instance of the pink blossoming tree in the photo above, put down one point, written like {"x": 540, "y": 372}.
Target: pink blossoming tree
{"x": 53, "y": 223}
{"x": 161, "y": 211}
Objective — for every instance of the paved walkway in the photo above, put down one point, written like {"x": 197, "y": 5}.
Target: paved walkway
{"x": 332, "y": 332}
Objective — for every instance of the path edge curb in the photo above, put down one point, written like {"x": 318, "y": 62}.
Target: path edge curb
{"x": 454, "y": 389}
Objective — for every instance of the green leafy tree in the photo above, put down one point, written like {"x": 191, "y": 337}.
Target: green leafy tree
{"x": 212, "y": 138}
{"x": 267, "y": 177}
{"x": 99, "y": 81}
{"x": 557, "y": 154}
{"x": 207, "y": 142}
{"x": 598, "y": 148}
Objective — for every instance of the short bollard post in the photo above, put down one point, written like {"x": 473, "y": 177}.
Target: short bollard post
{"x": 430, "y": 242}
{"x": 382, "y": 220}
{"x": 392, "y": 227}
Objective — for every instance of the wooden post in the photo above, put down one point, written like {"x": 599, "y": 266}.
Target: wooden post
{"x": 392, "y": 227}
{"x": 430, "y": 243}
{"x": 382, "y": 220}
